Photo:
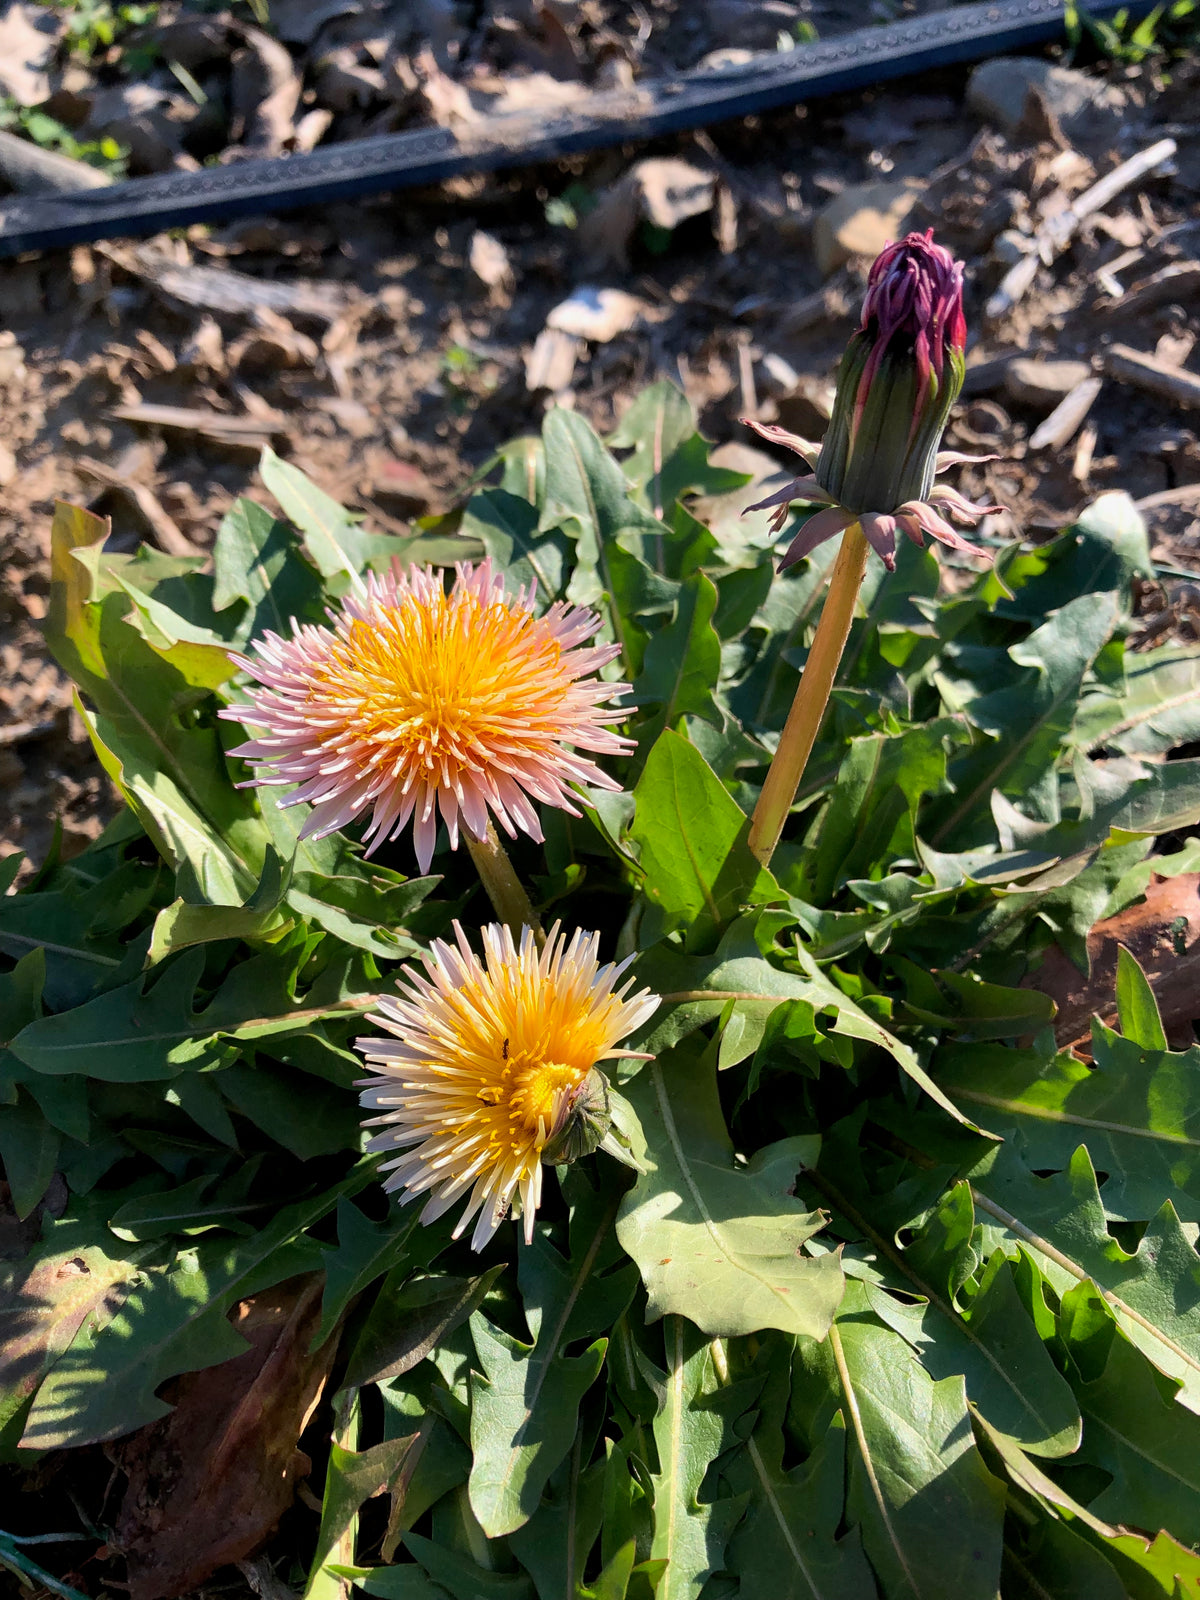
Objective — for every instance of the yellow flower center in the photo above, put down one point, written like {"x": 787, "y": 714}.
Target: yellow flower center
{"x": 530, "y": 1092}
{"x": 444, "y": 682}
{"x": 539, "y": 1092}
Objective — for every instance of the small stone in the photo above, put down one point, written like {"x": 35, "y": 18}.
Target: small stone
{"x": 489, "y": 261}
{"x": 596, "y": 314}
{"x": 8, "y": 466}
{"x": 1043, "y": 383}
{"x": 1084, "y": 107}
{"x": 862, "y": 220}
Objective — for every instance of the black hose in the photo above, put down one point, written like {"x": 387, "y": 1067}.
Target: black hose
{"x": 428, "y": 155}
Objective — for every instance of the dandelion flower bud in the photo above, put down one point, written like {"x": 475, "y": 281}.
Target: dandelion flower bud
{"x": 901, "y": 373}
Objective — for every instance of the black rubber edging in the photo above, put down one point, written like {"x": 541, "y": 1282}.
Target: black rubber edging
{"x": 428, "y": 155}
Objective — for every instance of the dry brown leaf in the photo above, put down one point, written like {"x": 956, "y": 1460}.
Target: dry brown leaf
{"x": 1163, "y": 933}
{"x": 43, "y": 1307}
{"x": 446, "y": 101}
{"x": 208, "y": 1482}
{"x": 29, "y": 36}
{"x": 265, "y": 92}
{"x": 489, "y": 261}
{"x": 663, "y": 190}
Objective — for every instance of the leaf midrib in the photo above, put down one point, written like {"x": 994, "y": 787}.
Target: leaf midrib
{"x": 772, "y": 1499}
{"x": 549, "y": 1351}
{"x": 710, "y": 1226}
{"x": 1074, "y": 1119}
{"x": 308, "y": 1014}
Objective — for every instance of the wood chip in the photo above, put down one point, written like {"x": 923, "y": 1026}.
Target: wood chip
{"x": 1154, "y": 376}
{"x": 165, "y": 531}
{"x": 1085, "y": 449}
{"x": 1180, "y": 281}
{"x": 1057, "y": 232}
{"x": 251, "y": 432}
{"x": 31, "y": 170}
{"x": 1061, "y": 425}
{"x": 1184, "y": 494}
{"x": 550, "y": 365}
{"x": 234, "y": 293}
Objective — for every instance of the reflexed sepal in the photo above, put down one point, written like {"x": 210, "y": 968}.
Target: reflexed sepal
{"x": 584, "y": 1122}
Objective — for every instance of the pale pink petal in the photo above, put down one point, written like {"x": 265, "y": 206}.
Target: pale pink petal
{"x": 959, "y": 504}
{"x": 928, "y": 519}
{"x": 880, "y": 530}
{"x": 805, "y": 488}
{"x": 790, "y": 441}
{"x": 819, "y": 527}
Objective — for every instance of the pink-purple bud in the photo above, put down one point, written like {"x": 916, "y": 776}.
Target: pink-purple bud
{"x": 914, "y": 293}
{"x": 901, "y": 373}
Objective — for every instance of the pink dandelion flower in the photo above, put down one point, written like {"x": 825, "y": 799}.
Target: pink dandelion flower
{"x": 489, "y": 1070}
{"x": 417, "y": 702}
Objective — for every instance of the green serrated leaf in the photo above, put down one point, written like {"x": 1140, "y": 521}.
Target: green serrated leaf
{"x": 718, "y": 1243}
{"x": 1158, "y": 710}
{"x": 190, "y": 1209}
{"x": 506, "y": 525}
{"x": 1029, "y": 720}
{"x": 257, "y": 558}
{"x": 1136, "y": 1006}
{"x": 337, "y": 544}
{"x": 364, "y": 1252}
{"x": 668, "y": 457}
{"x": 587, "y": 493}
{"x": 691, "y": 1428}
{"x": 523, "y": 1408}
{"x": 683, "y": 661}
{"x": 788, "y": 1547}
{"x": 151, "y": 1028}
{"x": 691, "y": 835}
{"x": 462, "y": 1576}
{"x": 1139, "y": 1111}
{"x": 917, "y": 1482}
{"x": 172, "y": 1320}
{"x": 1134, "y": 1431}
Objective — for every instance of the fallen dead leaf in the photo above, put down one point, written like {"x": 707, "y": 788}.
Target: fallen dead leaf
{"x": 664, "y": 191}
{"x": 265, "y": 91}
{"x": 489, "y": 261}
{"x": 29, "y": 36}
{"x": 1163, "y": 933}
{"x": 208, "y": 1482}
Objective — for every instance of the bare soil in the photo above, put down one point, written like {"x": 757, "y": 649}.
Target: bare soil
{"x": 393, "y": 401}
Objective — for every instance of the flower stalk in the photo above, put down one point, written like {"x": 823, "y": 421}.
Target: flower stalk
{"x": 505, "y": 890}
{"x": 874, "y": 475}
{"x": 816, "y": 681}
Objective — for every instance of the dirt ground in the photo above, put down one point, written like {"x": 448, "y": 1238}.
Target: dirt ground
{"x": 412, "y": 337}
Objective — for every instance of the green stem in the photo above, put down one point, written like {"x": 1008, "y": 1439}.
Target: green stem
{"x": 505, "y": 890}
{"x": 812, "y": 696}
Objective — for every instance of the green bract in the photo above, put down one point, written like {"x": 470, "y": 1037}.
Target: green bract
{"x": 900, "y": 1300}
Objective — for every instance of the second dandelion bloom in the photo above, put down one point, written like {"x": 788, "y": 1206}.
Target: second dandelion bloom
{"x": 489, "y": 1069}
{"x": 419, "y": 705}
